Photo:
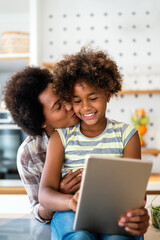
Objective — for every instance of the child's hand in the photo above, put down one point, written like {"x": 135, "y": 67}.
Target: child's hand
{"x": 73, "y": 201}
{"x": 136, "y": 221}
{"x": 70, "y": 183}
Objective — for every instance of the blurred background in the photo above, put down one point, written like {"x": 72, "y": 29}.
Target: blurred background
{"x": 40, "y": 32}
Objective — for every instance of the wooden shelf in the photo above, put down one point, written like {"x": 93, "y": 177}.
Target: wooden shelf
{"x": 154, "y": 179}
{"x": 13, "y": 62}
{"x": 48, "y": 65}
{"x": 146, "y": 91}
{"x": 150, "y": 151}
{"x": 12, "y": 190}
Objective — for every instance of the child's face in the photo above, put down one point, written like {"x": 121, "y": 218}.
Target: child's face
{"x": 89, "y": 103}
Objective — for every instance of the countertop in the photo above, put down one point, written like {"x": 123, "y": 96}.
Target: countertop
{"x": 14, "y": 226}
{"x": 11, "y": 183}
{"x": 153, "y": 184}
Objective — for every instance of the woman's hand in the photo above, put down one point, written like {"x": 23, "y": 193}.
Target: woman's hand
{"x": 70, "y": 183}
{"x": 136, "y": 221}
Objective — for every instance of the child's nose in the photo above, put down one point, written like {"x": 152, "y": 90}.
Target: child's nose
{"x": 68, "y": 106}
{"x": 86, "y": 105}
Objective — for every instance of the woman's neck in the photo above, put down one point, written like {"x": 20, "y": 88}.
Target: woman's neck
{"x": 49, "y": 131}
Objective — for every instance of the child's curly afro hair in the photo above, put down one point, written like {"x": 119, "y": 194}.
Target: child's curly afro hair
{"x": 93, "y": 66}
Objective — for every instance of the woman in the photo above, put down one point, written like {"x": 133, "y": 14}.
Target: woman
{"x": 37, "y": 110}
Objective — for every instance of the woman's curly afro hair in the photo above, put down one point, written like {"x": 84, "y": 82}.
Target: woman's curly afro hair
{"x": 21, "y": 98}
{"x": 93, "y": 66}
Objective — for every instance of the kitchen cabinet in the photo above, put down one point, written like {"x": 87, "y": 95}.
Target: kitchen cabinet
{"x": 13, "y": 62}
{"x": 10, "y": 64}
{"x": 14, "y": 17}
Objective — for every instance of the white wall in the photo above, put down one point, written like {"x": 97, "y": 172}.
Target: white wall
{"x": 128, "y": 30}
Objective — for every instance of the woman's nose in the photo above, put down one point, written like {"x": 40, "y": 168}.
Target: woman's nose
{"x": 68, "y": 106}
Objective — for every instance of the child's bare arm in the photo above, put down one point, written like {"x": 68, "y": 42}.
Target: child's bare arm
{"x": 69, "y": 184}
{"x": 49, "y": 195}
{"x": 133, "y": 147}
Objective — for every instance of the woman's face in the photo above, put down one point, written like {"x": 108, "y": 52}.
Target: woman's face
{"x": 57, "y": 115}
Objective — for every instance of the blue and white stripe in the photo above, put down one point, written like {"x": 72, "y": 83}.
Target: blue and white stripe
{"x": 109, "y": 143}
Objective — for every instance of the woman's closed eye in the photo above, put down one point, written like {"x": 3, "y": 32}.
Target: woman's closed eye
{"x": 58, "y": 106}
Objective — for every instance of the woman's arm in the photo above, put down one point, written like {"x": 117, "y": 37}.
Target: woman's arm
{"x": 49, "y": 195}
{"x": 30, "y": 175}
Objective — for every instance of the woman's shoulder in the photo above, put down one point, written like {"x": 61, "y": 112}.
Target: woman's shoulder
{"x": 33, "y": 144}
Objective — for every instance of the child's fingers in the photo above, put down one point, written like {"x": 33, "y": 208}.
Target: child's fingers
{"x": 70, "y": 183}
{"x": 74, "y": 184}
{"x": 75, "y": 188}
{"x": 136, "y": 221}
{"x": 71, "y": 175}
{"x": 137, "y": 212}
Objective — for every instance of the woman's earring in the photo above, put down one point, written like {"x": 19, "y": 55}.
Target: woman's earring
{"x": 44, "y": 125}
{"x": 108, "y": 97}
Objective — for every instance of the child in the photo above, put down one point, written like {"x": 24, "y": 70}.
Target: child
{"x": 88, "y": 79}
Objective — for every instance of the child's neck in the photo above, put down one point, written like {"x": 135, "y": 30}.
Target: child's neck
{"x": 93, "y": 130}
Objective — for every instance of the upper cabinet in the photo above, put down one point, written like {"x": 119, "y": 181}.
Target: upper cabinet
{"x": 14, "y": 30}
{"x": 14, "y": 19}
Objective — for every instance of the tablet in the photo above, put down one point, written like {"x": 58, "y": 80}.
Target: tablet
{"x": 110, "y": 187}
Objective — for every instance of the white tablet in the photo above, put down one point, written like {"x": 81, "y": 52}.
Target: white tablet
{"x": 110, "y": 187}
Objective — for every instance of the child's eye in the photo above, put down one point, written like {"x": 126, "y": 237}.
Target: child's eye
{"x": 76, "y": 101}
{"x": 93, "y": 99}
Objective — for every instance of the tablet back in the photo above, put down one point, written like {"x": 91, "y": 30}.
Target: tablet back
{"x": 110, "y": 187}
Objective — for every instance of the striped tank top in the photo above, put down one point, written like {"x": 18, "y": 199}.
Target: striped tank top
{"x": 111, "y": 142}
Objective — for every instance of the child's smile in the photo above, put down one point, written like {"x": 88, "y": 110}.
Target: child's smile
{"x": 90, "y": 115}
